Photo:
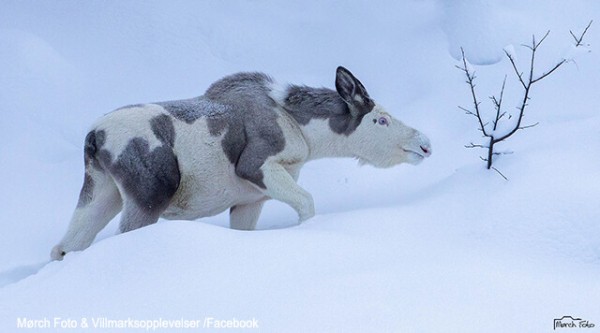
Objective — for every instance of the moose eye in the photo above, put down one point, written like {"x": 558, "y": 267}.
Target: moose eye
{"x": 383, "y": 121}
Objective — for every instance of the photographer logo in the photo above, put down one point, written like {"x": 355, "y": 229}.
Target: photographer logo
{"x": 567, "y": 322}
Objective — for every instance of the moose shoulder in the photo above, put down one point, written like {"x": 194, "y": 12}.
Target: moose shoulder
{"x": 241, "y": 143}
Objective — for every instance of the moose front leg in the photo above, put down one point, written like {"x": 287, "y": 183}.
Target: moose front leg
{"x": 281, "y": 185}
{"x": 244, "y": 217}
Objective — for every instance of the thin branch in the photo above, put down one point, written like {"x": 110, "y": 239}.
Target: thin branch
{"x": 550, "y": 71}
{"x": 519, "y": 74}
{"x": 470, "y": 78}
{"x": 494, "y": 100}
{"x": 503, "y": 153}
{"x": 498, "y": 104}
{"x": 527, "y": 46}
{"x": 535, "y": 46}
{"x": 578, "y": 42}
{"x": 526, "y": 86}
{"x": 472, "y": 145}
{"x": 500, "y": 173}
{"x": 580, "y": 39}
{"x": 502, "y": 115}
{"x": 532, "y": 62}
{"x": 467, "y": 111}
{"x": 529, "y": 126}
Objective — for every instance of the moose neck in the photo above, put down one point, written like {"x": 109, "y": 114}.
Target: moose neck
{"x": 325, "y": 120}
{"x": 323, "y": 142}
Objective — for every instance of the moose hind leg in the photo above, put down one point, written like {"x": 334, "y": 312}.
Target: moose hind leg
{"x": 99, "y": 202}
{"x": 148, "y": 180}
{"x": 142, "y": 209}
{"x": 134, "y": 217}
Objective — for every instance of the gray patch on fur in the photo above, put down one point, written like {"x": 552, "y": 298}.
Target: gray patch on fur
{"x": 100, "y": 138}
{"x": 90, "y": 146}
{"x": 87, "y": 191}
{"x": 234, "y": 141}
{"x": 239, "y": 107}
{"x": 163, "y": 129}
{"x": 305, "y": 103}
{"x": 104, "y": 158}
{"x": 192, "y": 109}
{"x": 130, "y": 106}
{"x": 150, "y": 178}
{"x": 251, "y": 123}
{"x": 94, "y": 141}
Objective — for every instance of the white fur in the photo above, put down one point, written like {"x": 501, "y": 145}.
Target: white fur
{"x": 388, "y": 145}
{"x": 87, "y": 221}
{"x": 371, "y": 143}
{"x": 278, "y": 92}
{"x": 123, "y": 124}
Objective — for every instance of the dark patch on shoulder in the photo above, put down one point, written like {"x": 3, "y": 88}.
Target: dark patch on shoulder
{"x": 190, "y": 110}
{"x": 306, "y": 103}
{"x": 150, "y": 177}
{"x": 87, "y": 191}
{"x": 252, "y": 132}
{"x": 239, "y": 106}
{"x": 216, "y": 125}
{"x": 234, "y": 141}
{"x": 254, "y": 156}
{"x": 163, "y": 129}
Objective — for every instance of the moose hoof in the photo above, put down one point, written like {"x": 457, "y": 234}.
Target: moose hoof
{"x": 306, "y": 215}
{"x": 58, "y": 253}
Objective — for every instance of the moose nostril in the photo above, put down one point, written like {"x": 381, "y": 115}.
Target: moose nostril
{"x": 425, "y": 149}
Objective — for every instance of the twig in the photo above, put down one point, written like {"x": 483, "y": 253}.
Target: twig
{"x": 580, "y": 39}
{"x": 498, "y": 104}
{"x": 500, "y": 173}
{"x": 535, "y": 46}
{"x": 467, "y": 111}
{"x": 470, "y": 78}
{"x": 519, "y": 74}
{"x": 550, "y": 71}
{"x": 472, "y": 145}
{"x": 504, "y": 153}
{"x": 529, "y": 126}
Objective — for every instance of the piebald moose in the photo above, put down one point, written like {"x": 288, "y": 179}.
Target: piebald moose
{"x": 243, "y": 142}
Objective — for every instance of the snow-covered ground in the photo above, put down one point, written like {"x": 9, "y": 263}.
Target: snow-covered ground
{"x": 446, "y": 246}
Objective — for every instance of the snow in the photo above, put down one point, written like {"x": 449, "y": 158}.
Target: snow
{"x": 472, "y": 25}
{"x": 444, "y": 246}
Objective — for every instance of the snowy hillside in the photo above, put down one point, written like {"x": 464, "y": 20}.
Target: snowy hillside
{"x": 446, "y": 246}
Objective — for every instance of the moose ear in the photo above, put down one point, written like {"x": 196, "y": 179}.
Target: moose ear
{"x": 353, "y": 92}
